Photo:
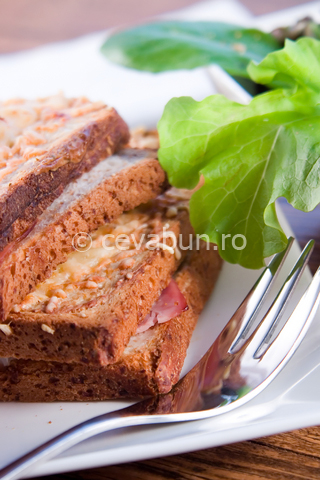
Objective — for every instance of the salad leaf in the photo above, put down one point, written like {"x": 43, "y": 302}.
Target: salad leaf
{"x": 174, "y": 45}
{"x": 297, "y": 65}
{"x": 249, "y": 155}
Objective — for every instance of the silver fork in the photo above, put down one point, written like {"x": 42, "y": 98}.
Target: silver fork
{"x": 242, "y": 361}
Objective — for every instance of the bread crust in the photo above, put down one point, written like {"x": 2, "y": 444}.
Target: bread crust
{"x": 25, "y": 197}
{"x": 26, "y": 263}
{"x": 101, "y": 336}
{"x": 149, "y": 368}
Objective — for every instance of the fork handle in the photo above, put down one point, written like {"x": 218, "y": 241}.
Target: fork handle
{"x": 60, "y": 443}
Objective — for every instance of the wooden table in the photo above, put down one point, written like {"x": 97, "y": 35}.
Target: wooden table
{"x": 295, "y": 455}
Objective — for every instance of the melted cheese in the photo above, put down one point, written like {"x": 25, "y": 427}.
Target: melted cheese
{"x": 85, "y": 273}
{"x": 90, "y": 274}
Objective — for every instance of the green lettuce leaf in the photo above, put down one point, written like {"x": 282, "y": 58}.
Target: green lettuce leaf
{"x": 297, "y": 65}
{"x": 249, "y": 155}
{"x": 174, "y": 45}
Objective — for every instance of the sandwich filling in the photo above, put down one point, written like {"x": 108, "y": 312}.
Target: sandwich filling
{"x": 170, "y": 304}
{"x": 114, "y": 252}
{"x": 104, "y": 259}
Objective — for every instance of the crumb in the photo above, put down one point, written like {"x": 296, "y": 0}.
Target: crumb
{"x": 6, "y": 329}
{"x": 47, "y": 329}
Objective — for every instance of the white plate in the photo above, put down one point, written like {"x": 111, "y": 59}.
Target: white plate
{"x": 291, "y": 401}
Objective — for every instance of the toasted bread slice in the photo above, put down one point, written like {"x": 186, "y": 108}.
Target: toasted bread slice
{"x": 117, "y": 184}
{"x": 92, "y": 304}
{"x": 150, "y": 364}
{"x": 44, "y": 145}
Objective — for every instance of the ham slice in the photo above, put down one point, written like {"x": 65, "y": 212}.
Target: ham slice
{"x": 169, "y": 305}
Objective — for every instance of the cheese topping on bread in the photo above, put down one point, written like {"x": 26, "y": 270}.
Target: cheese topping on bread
{"x": 28, "y": 126}
{"x": 111, "y": 257}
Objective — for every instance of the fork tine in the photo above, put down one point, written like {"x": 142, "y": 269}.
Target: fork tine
{"x": 290, "y": 336}
{"x": 250, "y": 306}
{"x": 264, "y": 331}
